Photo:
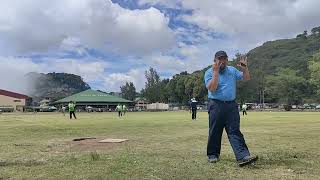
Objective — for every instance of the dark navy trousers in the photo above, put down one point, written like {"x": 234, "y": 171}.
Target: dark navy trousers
{"x": 194, "y": 113}
{"x": 225, "y": 115}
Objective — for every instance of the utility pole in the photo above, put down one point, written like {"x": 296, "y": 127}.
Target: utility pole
{"x": 263, "y": 99}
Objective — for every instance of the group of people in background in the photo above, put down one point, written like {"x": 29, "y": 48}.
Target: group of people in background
{"x": 121, "y": 109}
{"x": 71, "y": 109}
{"x": 193, "y": 108}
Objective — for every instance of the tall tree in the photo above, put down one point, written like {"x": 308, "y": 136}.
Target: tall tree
{"x": 164, "y": 91}
{"x": 303, "y": 35}
{"x": 180, "y": 89}
{"x": 315, "y": 30}
{"x": 189, "y": 86}
{"x": 128, "y": 91}
{"x": 199, "y": 90}
{"x": 152, "y": 86}
{"x": 171, "y": 86}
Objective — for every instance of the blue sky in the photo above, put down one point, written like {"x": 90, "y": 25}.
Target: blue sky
{"x": 111, "y": 42}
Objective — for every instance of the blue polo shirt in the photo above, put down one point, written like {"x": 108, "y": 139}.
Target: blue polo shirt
{"x": 193, "y": 105}
{"x": 226, "y": 90}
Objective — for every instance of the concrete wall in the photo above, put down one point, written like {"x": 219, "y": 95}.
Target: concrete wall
{"x": 157, "y": 106}
{"x": 17, "y": 104}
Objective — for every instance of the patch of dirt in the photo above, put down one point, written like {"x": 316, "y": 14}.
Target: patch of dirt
{"x": 82, "y": 144}
{"x": 91, "y": 144}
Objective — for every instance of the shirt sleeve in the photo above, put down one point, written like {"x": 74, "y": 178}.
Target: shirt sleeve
{"x": 239, "y": 74}
{"x": 207, "y": 77}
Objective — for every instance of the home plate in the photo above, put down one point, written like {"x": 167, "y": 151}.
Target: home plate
{"x": 113, "y": 140}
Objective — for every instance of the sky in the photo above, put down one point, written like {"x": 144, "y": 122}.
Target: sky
{"x": 110, "y": 42}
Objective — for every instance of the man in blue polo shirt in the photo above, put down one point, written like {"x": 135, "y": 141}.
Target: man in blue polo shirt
{"x": 223, "y": 111}
{"x": 193, "y": 106}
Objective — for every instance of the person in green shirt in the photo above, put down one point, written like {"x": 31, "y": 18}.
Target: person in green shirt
{"x": 71, "y": 107}
{"x": 63, "y": 109}
{"x": 244, "y": 109}
{"x": 119, "y": 109}
{"x": 124, "y": 109}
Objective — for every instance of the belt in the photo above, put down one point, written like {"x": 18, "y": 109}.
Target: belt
{"x": 219, "y": 101}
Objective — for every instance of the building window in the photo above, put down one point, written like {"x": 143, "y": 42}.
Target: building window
{"x": 16, "y": 100}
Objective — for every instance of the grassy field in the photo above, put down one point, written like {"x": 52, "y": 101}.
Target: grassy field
{"x": 164, "y": 145}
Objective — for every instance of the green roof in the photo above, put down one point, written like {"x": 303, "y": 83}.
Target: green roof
{"x": 93, "y": 96}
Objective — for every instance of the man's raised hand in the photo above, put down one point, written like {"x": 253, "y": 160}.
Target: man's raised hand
{"x": 243, "y": 63}
{"x": 216, "y": 65}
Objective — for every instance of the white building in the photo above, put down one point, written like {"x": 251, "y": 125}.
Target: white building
{"x": 12, "y": 100}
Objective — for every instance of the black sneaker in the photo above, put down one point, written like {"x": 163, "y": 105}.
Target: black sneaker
{"x": 213, "y": 159}
{"x": 247, "y": 160}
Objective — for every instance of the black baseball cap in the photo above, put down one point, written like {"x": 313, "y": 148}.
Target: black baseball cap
{"x": 220, "y": 54}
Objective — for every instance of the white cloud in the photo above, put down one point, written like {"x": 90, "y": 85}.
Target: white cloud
{"x": 165, "y": 63}
{"x": 249, "y": 23}
{"x": 197, "y": 57}
{"x": 42, "y": 25}
{"x": 243, "y": 24}
{"x": 93, "y": 71}
{"x": 59, "y": 27}
{"x": 90, "y": 70}
{"x": 184, "y": 58}
{"x": 12, "y": 70}
{"x": 112, "y": 82}
{"x": 73, "y": 45}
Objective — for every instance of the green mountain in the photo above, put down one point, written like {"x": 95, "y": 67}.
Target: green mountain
{"x": 273, "y": 56}
{"x": 54, "y": 86}
{"x": 287, "y": 53}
